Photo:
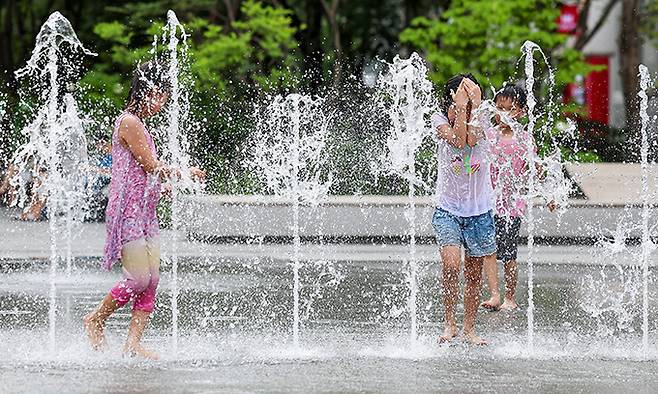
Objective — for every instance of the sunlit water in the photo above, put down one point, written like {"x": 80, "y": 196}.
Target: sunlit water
{"x": 406, "y": 96}
{"x": 288, "y": 155}
{"x": 235, "y": 332}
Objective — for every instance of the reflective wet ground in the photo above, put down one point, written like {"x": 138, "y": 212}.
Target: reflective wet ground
{"x": 235, "y": 319}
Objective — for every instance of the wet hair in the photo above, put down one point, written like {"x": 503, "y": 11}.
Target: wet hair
{"x": 147, "y": 77}
{"x": 451, "y": 86}
{"x": 515, "y": 93}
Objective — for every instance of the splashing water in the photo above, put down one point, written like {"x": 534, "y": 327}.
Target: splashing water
{"x": 288, "y": 155}
{"x": 5, "y": 149}
{"x": 647, "y": 244}
{"x": 329, "y": 277}
{"x": 635, "y": 281}
{"x": 405, "y": 93}
{"x": 618, "y": 299}
{"x": 175, "y": 153}
{"x": 55, "y": 156}
{"x": 525, "y": 189}
{"x": 623, "y": 295}
{"x": 556, "y": 186}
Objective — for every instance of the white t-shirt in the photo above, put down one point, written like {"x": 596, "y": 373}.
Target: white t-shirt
{"x": 463, "y": 183}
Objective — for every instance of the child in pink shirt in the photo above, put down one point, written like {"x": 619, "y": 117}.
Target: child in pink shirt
{"x": 509, "y": 177}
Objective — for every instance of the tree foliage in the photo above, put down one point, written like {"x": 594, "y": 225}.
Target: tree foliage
{"x": 485, "y": 37}
{"x": 240, "y": 49}
{"x": 258, "y": 50}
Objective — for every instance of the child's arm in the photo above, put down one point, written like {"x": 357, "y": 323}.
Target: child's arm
{"x": 475, "y": 98}
{"x": 456, "y": 135}
{"x": 133, "y": 135}
{"x": 541, "y": 175}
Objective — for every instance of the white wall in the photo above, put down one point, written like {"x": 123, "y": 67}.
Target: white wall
{"x": 606, "y": 42}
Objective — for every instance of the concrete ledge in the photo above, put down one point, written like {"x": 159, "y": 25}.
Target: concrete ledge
{"x": 612, "y": 198}
{"x": 612, "y": 184}
{"x": 376, "y": 219}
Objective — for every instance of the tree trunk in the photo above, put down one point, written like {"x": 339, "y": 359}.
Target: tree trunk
{"x": 630, "y": 52}
{"x": 214, "y": 13}
{"x": 232, "y": 9}
{"x": 311, "y": 45}
{"x": 6, "y": 50}
{"x": 332, "y": 17}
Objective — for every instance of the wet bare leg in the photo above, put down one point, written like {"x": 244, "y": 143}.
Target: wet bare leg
{"x": 511, "y": 277}
{"x": 33, "y": 212}
{"x": 133, "y": 346}
{"x": 451, "y": 258}
{"x": 5, "y": 186}
{"x": 472, "y": 289}
{"x": 491, "y": 273}
{"x": 94, "y": 322}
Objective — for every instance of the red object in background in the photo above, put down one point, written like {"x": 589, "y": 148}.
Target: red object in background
{"x": 567, "y": 22}
{"x": 575, "y": 92}
{"x": 593, "y": 94}
{"x": 597, "y": 90}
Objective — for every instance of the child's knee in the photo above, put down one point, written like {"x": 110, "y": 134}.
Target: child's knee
{"x": 146, "y": 300}
{"x": 451, "y": 268}
{"x": 155, "y": 280}
{"x": 142, "y": 283}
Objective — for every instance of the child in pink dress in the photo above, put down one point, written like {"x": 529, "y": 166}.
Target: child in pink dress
{"x": 509, "y": 177}
{"x": 131, "y": 220}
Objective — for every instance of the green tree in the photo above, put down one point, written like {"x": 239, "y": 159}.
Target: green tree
{"x": 231, "y": 64}
{"x": 257, "y": 50}
{"x": 106, "y": 82}
{"x": 485, "y": 37}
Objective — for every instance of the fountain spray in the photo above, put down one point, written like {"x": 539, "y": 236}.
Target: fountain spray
{"x": 528, "y": 49}
{"x": 288, "y": 155}
{"x": 406, "y": 96}
{"x": 178, "y": 117}
{"x": 56, "y": 151}
{"x": 647, "y": 244}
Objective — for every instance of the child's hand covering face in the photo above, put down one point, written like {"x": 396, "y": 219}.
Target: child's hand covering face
{"x": 460, "y": 97}
{"x": 506, "y": 104}
{"x": 473, "y": 91}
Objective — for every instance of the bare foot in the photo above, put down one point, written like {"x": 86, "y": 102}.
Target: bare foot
{"x": 95, "y": 330}
{"x": 28, "y": 217}
{"x": 492, "y": 304}
{"x": 472, "y": 339}
{"x": 448, "y": 334}
{"x": 141, "y": 352}
{"x": 509, "y": 305}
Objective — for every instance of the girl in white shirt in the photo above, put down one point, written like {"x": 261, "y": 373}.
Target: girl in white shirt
{"x": 463, "y": 215}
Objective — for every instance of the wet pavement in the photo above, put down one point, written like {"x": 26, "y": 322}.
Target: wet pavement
{"x": 235, "y": 321}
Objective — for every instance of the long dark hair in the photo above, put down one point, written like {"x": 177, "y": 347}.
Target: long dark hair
{"x": 515, "y": 93}
{"x": 147, "y": 77}
{"x": 450, "y": 87}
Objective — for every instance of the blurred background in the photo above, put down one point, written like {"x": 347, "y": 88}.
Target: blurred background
{"x": 243, "y": 50}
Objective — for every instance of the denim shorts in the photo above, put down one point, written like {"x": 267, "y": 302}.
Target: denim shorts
{"x": 476, "y": 233}
{"x": 507, "y": 237}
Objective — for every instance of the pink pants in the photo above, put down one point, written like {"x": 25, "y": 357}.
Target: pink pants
{"x": 140, "y": 260}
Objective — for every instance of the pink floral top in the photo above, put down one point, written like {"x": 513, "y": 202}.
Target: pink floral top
{"x": 133, "y": 197}
{"x": 509, "y": 177}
